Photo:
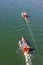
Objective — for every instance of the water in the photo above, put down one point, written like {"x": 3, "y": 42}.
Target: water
{"x": 12, "y": 27}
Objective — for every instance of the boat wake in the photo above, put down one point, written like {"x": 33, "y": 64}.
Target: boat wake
{"x": 29, "y": 59}
{"x": 27, "y": 22}
{"x": 32, "y": 37}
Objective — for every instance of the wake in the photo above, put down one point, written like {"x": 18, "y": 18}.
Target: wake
{"x": 37, "y": 52}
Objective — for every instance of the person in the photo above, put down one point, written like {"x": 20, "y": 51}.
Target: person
{"x": 25, "y": 48}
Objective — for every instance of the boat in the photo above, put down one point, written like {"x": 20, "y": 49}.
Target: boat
{"x": 23, "y": 42}
{"x": 24, "y": 15}
{"x": 25, "y": 48}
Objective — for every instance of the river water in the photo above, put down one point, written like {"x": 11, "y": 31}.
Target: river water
{"x": 12, "y": 27}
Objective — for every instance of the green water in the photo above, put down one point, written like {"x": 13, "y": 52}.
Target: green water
{"x": 12, "y": 27}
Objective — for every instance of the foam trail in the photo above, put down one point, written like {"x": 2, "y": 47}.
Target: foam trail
{"x": 30, "y": 31}
{"x": 37, "y": 52}
{"x": 28, "y": 59}
{"x": 27, "y": 22}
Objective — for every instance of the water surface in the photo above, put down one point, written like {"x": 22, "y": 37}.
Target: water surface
{"x": 12, "y": 27}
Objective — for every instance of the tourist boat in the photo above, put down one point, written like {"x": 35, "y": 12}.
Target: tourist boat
{"x": 24, "y": 15}
{"x": 25, "y": 43}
